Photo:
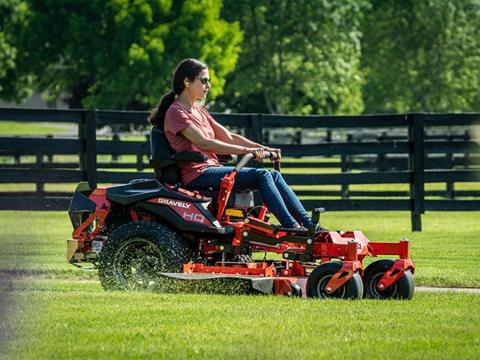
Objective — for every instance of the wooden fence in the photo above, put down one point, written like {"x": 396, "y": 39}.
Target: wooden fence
{"x": 410, "y": 149}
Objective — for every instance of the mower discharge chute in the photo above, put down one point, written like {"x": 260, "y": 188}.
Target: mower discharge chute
{"x": 142, "y": 232}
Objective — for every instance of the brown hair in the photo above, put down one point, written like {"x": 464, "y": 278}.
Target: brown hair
{"x": 188, "y": 68}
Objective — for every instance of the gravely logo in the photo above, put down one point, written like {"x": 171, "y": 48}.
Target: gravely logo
{"x": 174, "y": 203}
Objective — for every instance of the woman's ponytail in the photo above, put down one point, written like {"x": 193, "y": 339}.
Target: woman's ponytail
{"x": 157, "y": 116}
{"x": 186, "y": 69}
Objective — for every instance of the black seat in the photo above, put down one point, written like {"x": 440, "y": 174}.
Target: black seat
{"x": 143, "y": 189}
{"x": 165, "y": 161}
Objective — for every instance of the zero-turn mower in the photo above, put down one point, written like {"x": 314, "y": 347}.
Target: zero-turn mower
{"x": 146, "y": 231}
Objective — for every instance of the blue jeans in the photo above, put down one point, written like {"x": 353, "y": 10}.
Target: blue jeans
{"x": 276, "y": 194}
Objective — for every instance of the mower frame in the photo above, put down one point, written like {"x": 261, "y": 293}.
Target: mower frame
{"x": 304, "y": 252}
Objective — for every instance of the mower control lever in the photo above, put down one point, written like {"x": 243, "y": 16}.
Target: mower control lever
{"x": 243, "y": 161}
{"x": 249, "y": 156}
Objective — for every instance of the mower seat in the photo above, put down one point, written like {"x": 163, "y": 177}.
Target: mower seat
{"x": 141, "y": 190}
{"x": 164, "y": 162}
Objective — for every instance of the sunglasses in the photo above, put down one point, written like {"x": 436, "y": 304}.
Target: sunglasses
{"x": 204, "y": 80}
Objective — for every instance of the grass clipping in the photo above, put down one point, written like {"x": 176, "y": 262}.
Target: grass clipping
{"x": 220, "y": 286}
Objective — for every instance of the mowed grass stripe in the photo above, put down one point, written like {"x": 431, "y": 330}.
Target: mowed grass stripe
{"x": 80, "y": 320}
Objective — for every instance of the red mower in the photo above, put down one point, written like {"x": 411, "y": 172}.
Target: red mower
{"x": 141, "y": 232}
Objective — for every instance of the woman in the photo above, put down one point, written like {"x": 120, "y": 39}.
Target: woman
{"x": 189, "y": 127}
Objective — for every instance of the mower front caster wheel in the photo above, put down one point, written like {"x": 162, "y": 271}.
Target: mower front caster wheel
{"x": 403, "y": 288}
{"x": 321, "y": 275}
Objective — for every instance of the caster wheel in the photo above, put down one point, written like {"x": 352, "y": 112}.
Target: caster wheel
{"x": 321, "y": 275}
{"x": 403, "y": 288}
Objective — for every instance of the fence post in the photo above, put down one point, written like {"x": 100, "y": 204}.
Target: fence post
{"x": 266, "y": 137}
{"x": 40, "y": 186}
{"x": 50, "y": 156}
{"x": 255, "y": 129}
{"x": 345, "y": 162}
{"x": 416, "y": 166}
{"x": 467, "y": 138}
{"x": 381, "y": 157}
{"x": 328, "y": 136}
{"x": 450, "y": 164}
{"x": 115, "y": 141}
{"x": 298, "y": 137}
{"x": 88, "y": 141}
{"x": 81, "y": 141}
{"x": 255, "y": 132}
{"x": 328, "y": 139}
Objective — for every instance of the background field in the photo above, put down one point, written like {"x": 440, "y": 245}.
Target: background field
{"x": 62, "y": 312}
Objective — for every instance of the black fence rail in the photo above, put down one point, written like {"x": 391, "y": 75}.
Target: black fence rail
{"x": 344, "y": 151}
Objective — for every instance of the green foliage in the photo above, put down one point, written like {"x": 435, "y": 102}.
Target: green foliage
{"x": 118, "y": 53}
{"x": 298, "y": 57}
{"x": 294, "y": 57}
{"x": 7, "y": 50}
{"x": 13, "y": 86}
{"x": 422, "y": 56}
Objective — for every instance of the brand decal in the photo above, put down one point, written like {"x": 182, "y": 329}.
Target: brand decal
{"x": 180, "y": 207}
{"x": 174, "y": 203}
{"x": 194, "y": 217}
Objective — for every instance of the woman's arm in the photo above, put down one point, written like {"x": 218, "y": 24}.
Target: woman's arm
{"x": 222, "y": 134}
{"x": 195, "y": 136}
{"x": 241, "y": 140}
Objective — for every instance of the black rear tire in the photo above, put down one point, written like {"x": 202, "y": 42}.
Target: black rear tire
{"x": 136, "y": 252}
{"x": 321, "y": 275}
{"x": 403, "y": 288}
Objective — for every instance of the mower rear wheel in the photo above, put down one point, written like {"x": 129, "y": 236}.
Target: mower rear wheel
{"x": 136, "y": 252}
{"x": 403, "y": 288}
{"x": 321, "y": 275}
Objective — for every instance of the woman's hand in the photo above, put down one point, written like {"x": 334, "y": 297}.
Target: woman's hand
{"x": 276, "y": 151}
{"x": 259, "y": 153}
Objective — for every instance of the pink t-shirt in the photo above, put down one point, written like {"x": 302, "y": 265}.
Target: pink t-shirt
{"x": 176, "y": 119}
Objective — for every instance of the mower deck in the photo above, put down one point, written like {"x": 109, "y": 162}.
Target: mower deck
{"x": 260, "y": 284}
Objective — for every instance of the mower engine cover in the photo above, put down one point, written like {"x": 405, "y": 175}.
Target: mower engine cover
{"x": 80, "y": 207}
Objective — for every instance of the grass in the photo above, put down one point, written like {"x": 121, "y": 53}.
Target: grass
{"x": 80, "y": 320}
{"x": 445, "y": 252}
{"x": 8, "y": 128}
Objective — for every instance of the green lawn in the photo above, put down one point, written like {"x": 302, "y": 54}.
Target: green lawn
{"x": 67, "y": 319}
{"x": 445, "y": 252}
{"x": 62, "y": 312}
{"x": 8, "y": 128}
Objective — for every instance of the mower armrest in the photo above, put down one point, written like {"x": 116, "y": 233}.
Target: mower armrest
{"x": 189, "y": 156}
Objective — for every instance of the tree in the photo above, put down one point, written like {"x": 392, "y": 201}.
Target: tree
{"x": 422, "y": 56}
{"x": 117, "y": 53}
{"x": 13, "y": 86}
{"x": 298, "y": 57}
